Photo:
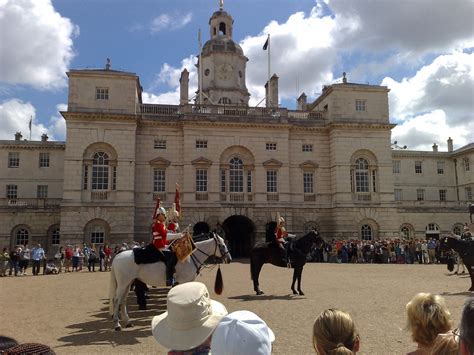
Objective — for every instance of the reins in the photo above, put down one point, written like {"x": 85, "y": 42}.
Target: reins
{"x": 202, "y": 265}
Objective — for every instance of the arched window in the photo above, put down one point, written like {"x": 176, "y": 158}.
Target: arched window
{"x": 366, "y": 232}
{"x": 222, "y": 29}
{"x": 96, "y": 232}
{"x": 55, "y": 237}
{"x": 236, "y": 175}
{"x": 97, "y": 235}
{"x": 405, "y": 232}
{"x": 362, "y": 175}
{"x": 100, "y": 171}
{"x": 225, "y": 101}
{"x": 22, "y": 236}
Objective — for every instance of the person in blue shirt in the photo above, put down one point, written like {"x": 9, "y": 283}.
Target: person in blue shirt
{"x": 37, "y": 255}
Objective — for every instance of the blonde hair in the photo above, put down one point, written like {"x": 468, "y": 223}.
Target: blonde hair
{"x": 428, "y": 316}
{"x": 445, "y": 344}
{"x": 334, "y": 332}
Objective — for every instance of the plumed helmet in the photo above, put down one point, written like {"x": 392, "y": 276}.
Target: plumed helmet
{"x": 160, "y": 210}
{"x": 281, "y": 220}
{"x": 173, "y": 212}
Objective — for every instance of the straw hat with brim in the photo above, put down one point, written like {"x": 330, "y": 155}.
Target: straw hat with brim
{"x": 190, "y": 319}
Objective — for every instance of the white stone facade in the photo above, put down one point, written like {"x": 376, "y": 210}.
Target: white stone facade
{"x": 328, "y": 165}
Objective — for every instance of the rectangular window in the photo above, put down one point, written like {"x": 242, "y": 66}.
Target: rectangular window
{"x": 374, "y": 181}
{"x": 114, "y": 178}
{"x": 13, "y": 160}
{"x": 44, "y": 160}
{"x": 97, "y": 237}
{"x": 159, "y": 180}
{"x": 418, "y": 167}
{"x": 100, "y": 177}
{"x": 160, "y": 144}
{"x": 42, "y": 191}
{"x": 272, "y": 181}
{"x": 12, "y": 192}
{"x": 466, "y": 164}
{"x": 201, "y": 180}
{"x": 440, "y": 167}
{"x": 398, "y": 194}
{"x": 307, "y": 148}
{"x": 420, "y": 194}
{"x": 362, "y": 181}
{"x": 360, "y": 105}
{"x": 468, "y": 193}
{"x": 223, "y": 184}
{"x": 249, "y": 181}
{"x": 101, "y": 93}
{"x": 396, "y": 166}
{"x": 270, "y": 146}
{"x": 86, "y": 177}
{"x": 442, "y": 195}
{"x": 308, "y": 183}
{"x": 201, "y": 144}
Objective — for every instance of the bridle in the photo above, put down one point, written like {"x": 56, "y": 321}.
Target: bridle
{"x": 218, "y": 260}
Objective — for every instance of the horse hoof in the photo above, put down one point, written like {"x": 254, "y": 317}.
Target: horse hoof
{"x": 117, "y": 329}
{"x": 301, "y": 293}
{"x": 129, "y": 325}
{"x": 295, "y": 293}
{"x": 259, "y": 293}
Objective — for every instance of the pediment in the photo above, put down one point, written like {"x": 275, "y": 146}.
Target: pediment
{"x": 309, "y": 165}
{"x": 272, "y": 163}
{"x": 201, "y": 161}
{"x": 160, "y": 162}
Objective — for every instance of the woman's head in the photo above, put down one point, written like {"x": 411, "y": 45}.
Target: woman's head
{"x": 428, "y": 316}
{"x": 334, "y": 332}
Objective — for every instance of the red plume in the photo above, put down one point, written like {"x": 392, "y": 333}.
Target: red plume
{"x": 177, "y": 200}
{"x": 158, "y": 204}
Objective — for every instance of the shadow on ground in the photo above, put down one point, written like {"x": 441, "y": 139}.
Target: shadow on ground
{"x": 100, "y": 331}
{"x": 266, "y": 297}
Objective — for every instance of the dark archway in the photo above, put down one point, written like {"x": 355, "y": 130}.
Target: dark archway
{"x": 270, "y": 231}
{"x": 240, "y": 235}
{"x": 201, "y": 227}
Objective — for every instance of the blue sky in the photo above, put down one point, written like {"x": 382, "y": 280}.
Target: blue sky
{"x": 422, "y": 50}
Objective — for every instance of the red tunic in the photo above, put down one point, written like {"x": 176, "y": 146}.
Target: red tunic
{"x": 280, "y": 234}
{"x": 172, "y": 227}
{"x": 159, "y": 235}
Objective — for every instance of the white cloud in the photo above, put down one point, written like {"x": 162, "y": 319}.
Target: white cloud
{"x": 36, "y": 45}
{"x": 170, "y": 22}
{"x": 15, "y": 116}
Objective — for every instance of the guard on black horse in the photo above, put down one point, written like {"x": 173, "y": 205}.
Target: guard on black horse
{"x": 283, "y": 239}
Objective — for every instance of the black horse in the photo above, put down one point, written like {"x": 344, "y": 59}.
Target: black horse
{"x": 471, "y": 211}
{"x": 465, "y": 249}
{"x": 271, "y": 253}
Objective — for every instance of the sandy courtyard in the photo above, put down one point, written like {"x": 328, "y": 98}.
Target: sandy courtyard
{"x": 69, "y": 311}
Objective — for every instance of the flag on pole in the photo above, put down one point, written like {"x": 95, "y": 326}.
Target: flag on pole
{"x": 265, "y": 46}
{"x": 177, "y": 199}
{"x": 29, "y": 124}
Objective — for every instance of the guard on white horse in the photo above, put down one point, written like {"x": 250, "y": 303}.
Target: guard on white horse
{"x": 124, "y": 270}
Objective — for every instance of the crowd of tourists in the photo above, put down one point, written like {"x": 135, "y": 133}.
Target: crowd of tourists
{"x": 69, "y": 258}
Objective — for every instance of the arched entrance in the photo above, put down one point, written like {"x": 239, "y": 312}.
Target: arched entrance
{"x": 201, "y": 227}
{"x": 240, "y": 235}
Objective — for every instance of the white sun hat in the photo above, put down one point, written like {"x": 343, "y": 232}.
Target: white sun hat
{"x": 190, "y": 319}
{"x": 242, "y": 333}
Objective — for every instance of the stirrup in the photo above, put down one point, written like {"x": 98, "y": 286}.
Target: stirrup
{"x": 171, "y": 282}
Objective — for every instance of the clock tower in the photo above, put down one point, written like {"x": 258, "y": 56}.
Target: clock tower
{"x": 223, "y": 64}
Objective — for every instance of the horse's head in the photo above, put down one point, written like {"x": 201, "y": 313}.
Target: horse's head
{"x": 316, "y": 238}
{"x": 447, "y": 242}
{"x": 224, "y": 254}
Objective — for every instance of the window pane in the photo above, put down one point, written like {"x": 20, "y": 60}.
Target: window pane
{"x": 159, "y": 180}
{"x": 366, "y": 232}
{"x": 22, "y": 237}
{"x": 13, "y": 160}
{"x": 236, "y": 175}
{"x": 308, "y": 179}
{"x": 201, "y": 180}
{"x": 100, "y": 171}
{"x": 272, "y": 181}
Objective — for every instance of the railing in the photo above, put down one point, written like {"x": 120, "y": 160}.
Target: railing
{"x": 201, "y": 196}
{"x": 312, "y": 115}
{"x": 30, "y": 203}
{"x": 153, "y": 109}
{"x": 236, "y": 197}
{"x": 99, "y": 195}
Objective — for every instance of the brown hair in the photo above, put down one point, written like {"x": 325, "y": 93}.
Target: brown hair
{"x": 334, "y": 332}
{"x": 428, "y": 316}
{"x": 445, "y": 344}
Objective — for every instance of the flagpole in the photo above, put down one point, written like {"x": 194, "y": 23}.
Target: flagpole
{"x": 31, "y": 120}
{"x": 200, "y": 68}
{"x": 268, "y": 61}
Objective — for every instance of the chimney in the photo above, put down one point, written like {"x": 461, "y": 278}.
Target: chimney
{"x": 272, "y": 92}
{"x": 302, "y": 102}
{"x": 344, "y": 79}
{"x": 18, "y": 136}
{"x": 450, "y": 145}
{"x": 183, "y": 87}
{"x": 435, "y": 147}
{"x": 44, "y": 137}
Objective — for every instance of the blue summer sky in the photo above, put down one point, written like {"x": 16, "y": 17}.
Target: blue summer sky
{"x": 422, "y": 50}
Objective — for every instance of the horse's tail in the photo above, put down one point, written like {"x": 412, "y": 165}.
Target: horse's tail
{"x": 112, "y": 290}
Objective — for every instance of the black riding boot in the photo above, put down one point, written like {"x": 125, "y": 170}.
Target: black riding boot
{"x": 170, "y": 269}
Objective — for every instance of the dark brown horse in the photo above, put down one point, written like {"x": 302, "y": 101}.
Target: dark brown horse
{"x": 471, "y": 210}
{"x": 465, "y": 249}
{"x": 271, "y": 253}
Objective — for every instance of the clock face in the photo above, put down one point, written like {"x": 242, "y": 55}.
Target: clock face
{"x": 225, "y": 71}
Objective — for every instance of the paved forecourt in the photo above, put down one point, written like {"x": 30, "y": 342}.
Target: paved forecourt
{"x": 70, "y": 311}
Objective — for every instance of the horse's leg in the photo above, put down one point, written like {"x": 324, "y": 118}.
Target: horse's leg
{"x": 256, "y": 267}
{"x": 300, "y": 274}
{"x": 125, "y": 318}
{"x": 470, "y": 268}
{"x": 120, "y": 300}
{"x": 295, "y": 274}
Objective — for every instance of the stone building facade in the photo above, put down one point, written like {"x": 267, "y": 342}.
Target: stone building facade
{"x": 329, "y": 164}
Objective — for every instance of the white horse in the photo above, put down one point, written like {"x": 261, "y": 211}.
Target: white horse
{"x": 124, "y": 270}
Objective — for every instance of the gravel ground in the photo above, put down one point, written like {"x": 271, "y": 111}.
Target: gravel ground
{"x": 69, "y": 311}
